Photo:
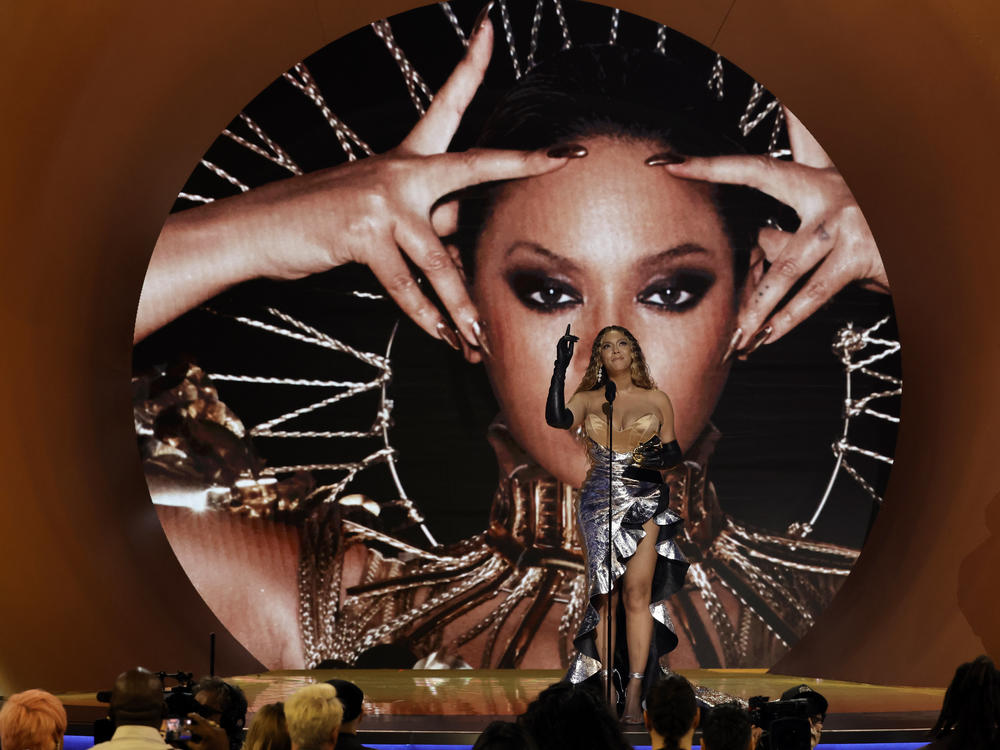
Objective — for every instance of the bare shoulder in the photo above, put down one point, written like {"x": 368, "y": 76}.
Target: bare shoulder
{"x": 585, "y": 399}
{"x": 593, "y": 399}
{"x": 663, "y": 401}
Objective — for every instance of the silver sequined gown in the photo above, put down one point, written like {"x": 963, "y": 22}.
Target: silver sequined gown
{"x": 633, "y": 503}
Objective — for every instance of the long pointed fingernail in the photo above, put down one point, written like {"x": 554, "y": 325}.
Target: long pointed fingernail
{"x": 733, "y": 343}
{"x": 449, "y": 335}
{"x": 760, "y": 338}
{"x": 480, "y": 23}
{"x": 479, "y": 330}
{"x": 567, "y": 151}
{"x": 663, "y": 158}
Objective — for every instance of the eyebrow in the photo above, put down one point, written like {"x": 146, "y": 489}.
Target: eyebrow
{"x": 565, "y": 264}
{"x": 559, "y": 261}
{"x": 673, "y": 253}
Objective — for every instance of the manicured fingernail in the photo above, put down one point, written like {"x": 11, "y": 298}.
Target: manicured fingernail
{"x": 480, "y": 23}
{"x": 479, "y": 329}
{"x": 449, "y": 335}
{"x": 567, "y": 151}
{"x": 663, "y": 158}
{"x": 733, "y": 343}
{"x": 760, "y": 338}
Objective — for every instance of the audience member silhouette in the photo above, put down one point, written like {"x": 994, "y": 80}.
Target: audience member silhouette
{"x": 32, "y": 720}
{"x": 504, "y": 735}
{"x": 726, "y": 727}
{"x": 970, "y": 713}
{"x": 313, "y": 715}
{"x": 268, "y": 730}
{"x": 671, "y": 713}
{"x": 352, "y": 698}
{"x": 225, "y": 704}
{"x": 137, "y": 710}
{"x": 567, "y": 716}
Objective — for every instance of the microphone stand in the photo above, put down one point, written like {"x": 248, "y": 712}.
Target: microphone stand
{"x": 610, "y": 391}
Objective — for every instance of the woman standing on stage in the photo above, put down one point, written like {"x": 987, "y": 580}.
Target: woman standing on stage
{"x": 629, "y": 427}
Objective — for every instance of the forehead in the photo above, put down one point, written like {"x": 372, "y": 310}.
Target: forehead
{"x": 609, "y": 211}
{"x": 613, "y": 337}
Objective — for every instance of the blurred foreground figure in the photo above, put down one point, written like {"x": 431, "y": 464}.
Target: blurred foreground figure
{"x": 32, "y": 720}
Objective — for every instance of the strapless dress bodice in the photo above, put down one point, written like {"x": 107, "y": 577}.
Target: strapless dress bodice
{"x": 637, "y": 431}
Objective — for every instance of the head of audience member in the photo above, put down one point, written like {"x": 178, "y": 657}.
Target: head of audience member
{"x": 32, "y": 720}
{"x": 268, "y": 730}
{"x": 352, "y": 698}
{"x": 970, "y": 713}
{"x": 313, "y": 715}
{"x": 726, "y": 727}
{"x": 817, "y": 709}
{"x": 671, "y": 713}
{"x": 504, "y": 735}
{"x": 137, "y": 699}
{"x": 568, "y": 716}
{"x": 224, "y": 703}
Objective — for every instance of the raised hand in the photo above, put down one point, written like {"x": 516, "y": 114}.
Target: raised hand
{"x": 377, "y": 211}
{"x": 564, "y": 349}
{"x": 833, "y": 241}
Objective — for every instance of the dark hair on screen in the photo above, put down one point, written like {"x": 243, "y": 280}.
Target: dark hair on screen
{"x": 607, "y": 90}
{"x": 726, "y": 727}
{"x": 970, "y": 712}
{"x": 671, "y": 708}
{"x": 568, "y": 716}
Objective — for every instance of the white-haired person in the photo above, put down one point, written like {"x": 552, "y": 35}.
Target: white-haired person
{"x": 313, "y": 715}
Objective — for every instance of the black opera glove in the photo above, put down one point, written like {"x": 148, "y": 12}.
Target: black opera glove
{"x": 556, "y": 413}
{"x": 653, "y": 454}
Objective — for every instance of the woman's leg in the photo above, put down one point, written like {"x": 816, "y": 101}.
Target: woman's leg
{"x": 638, "y": 587}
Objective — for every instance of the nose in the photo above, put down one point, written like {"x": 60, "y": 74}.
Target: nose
{"x": 610, "y": 305}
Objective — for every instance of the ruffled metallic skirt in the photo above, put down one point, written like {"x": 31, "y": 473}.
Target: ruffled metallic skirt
{"x": 633, "y": 503}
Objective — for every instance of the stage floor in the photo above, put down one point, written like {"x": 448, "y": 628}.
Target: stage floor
{"x": 451, "y": 707}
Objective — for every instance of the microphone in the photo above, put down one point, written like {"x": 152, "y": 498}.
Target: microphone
{"x": 610, "y": 390}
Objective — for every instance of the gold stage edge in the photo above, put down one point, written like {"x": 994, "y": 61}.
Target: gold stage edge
{"x": 465, "y": 692}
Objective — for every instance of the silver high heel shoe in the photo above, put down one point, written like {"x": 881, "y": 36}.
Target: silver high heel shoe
{"x": 626, "y": 719}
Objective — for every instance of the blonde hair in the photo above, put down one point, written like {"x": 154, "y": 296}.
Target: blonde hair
{"x": 313, "y": 715}
{"x": 29, "y": 718}
{"x": 640, "y": 371}
{"x": 268, "y": 730}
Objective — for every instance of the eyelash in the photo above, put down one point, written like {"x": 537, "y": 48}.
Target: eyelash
{"x": 678, "y": 293}
{"x": 543, "y": 293}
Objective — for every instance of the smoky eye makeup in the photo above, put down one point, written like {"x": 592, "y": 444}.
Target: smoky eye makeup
{"x": 680, "y": 291}
{"x": 537, "y": 290}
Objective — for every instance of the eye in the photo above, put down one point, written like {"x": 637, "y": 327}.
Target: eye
{"x": 541, "y": 292}
{"x": 679, "y": 292}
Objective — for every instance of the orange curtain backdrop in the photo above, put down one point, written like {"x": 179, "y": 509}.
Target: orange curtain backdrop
{"x": 105, "y": 107}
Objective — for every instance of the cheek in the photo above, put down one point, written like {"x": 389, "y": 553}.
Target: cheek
{"x": 524, "y": 347}
{"x": 685, "y": 359}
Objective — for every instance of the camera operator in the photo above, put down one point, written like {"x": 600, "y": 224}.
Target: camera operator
{"x": 817, "y": 709}
{"x": 137, "y": 710}
{"x": 793, "y": 722}
{"x": 224, "y": 703}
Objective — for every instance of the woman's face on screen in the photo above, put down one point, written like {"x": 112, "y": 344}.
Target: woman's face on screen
{"x": 604, "y": 240}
